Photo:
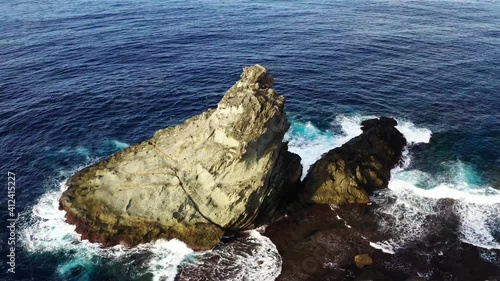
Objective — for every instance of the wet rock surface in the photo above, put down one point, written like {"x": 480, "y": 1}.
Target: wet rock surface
{"x": 321, "y": 242}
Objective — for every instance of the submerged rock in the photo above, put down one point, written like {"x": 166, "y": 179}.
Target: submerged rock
{"x": 225, "y": 169}
{"x": 320, "y": 241}
{"x": 348, "y": 174}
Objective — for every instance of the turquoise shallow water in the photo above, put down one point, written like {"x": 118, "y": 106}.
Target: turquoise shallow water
{"x": 81, "y": 80}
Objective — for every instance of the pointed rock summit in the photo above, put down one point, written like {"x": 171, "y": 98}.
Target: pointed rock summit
{"x": 225, "y": 169}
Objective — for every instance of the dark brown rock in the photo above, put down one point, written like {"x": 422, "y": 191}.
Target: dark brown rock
{"x": 348, "y": 174}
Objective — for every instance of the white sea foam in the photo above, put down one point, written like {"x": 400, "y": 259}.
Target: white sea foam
{"x": 168, "y": 255}
{"x": 47, "y": 231}
{"x": 351, "y": 127}
{"x": 478, "y": 223}
{"x": 413, "y": 194}
{"x": 416, "y": 193}
{"x": 119, "y": 144}
{"x": 384, "y": 247}
{"x": 44, "y": 230}
{"x": 310, "y": 142}
{"x": 253, "y": 257}
{"x": 264, "y": 262}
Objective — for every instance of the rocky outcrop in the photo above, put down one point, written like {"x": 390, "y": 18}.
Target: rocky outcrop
{"x": 348, "y": 174}
{"x": 225, "y": 169}
{"x": 320, "y": 242}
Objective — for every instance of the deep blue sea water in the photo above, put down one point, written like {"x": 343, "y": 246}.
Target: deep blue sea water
{"x": 79, "y": 80}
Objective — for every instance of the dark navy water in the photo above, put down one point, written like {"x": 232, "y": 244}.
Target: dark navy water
{"x": 80, "y": 80}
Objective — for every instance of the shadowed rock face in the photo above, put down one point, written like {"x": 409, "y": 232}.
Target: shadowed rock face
{"x": 348, "y": 174}
{"x": 225, "y": 169}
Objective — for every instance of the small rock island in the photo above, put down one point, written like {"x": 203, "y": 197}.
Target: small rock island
{"x": 224, "y": 170}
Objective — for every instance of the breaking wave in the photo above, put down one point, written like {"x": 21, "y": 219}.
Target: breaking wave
{"x": 251, "y": 257}
{"x": 44, "y": 231}
{"x": 310, "y": 142}
{"x": 413, "y": 195}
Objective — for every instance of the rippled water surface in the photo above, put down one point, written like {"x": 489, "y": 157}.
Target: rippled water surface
{"x": 80, "y": 80}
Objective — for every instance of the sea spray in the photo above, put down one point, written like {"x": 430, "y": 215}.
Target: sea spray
{"x": 251, "y": 256}
{"x": 44, "y": 231}
{"x": 310, "y": 142}
{"x": 415, "y": 195}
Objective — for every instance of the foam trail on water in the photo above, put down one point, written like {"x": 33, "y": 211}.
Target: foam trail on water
{"x": 384, "y": 247}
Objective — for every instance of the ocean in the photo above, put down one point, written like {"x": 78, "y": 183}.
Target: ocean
{"x": 80, "y": 80}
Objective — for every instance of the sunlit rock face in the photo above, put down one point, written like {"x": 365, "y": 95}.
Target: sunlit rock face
{"x": 224, "y": 169}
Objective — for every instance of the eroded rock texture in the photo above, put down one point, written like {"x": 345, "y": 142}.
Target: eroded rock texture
{"x": 225, "y": 169}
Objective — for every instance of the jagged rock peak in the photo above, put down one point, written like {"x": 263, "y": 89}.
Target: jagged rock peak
{"x": 224, "y": 169}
